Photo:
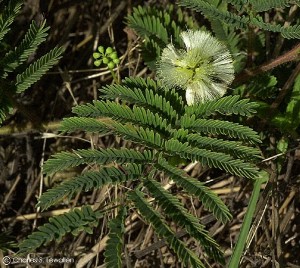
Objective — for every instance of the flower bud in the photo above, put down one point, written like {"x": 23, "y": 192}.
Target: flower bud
{"x": 101, "y": 49}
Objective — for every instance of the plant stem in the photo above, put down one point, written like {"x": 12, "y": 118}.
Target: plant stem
{"x": 240, "y": 245}
{"x": 291, "y": 55}
{"x": 114, "y": 76}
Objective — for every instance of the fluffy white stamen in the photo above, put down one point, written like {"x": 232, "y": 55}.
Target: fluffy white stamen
{"x": 204, "y": 69}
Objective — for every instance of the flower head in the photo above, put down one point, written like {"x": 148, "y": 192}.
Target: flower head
{"x": 204, "y": 69}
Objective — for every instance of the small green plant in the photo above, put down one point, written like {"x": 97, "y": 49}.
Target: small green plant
{"x": 169, "y": 132}
{"x": 108, "y": 57}
{"x": 169, "y": 124}
{"x": 15, "y": 75}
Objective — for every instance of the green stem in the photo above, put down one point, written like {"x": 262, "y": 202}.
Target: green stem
{"x": 239, "y": 247}
{"x": 114, "y": 76}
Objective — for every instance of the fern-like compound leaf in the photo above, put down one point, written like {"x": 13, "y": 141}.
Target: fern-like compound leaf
{"x": 218, "y": 127}
{"x": 227, "y": 105}
{"x": 122, "y": 113}
{"x": 287, "y": 32}
{"x": 8, "y": 15}
{"x": 291, "y": 32}
{"x": 212, "y": 159}
{"x": 148, "y": 26}
{"x": 260, "y": 6}
{"x": 175, "y": 210}
{"x": 73, "y": 221}
{"x": 192, "y": 186}
{"x": 142, "y": 83}
{"x": 72, "y": 124}
{"x": 156, "y": 28}
{"x": 143, "y": 136}
{"x": 142, "y": 93}
{"x": 210, "y": 10}
{"x": 234, "y": 148}
{"x": 88, "y": 181}
{"x": 33, "y": 38}
{"x": 171, "y": 95}
{"x": 37, "y": 69}
{"x": 103, "y": 109}
{"x": 114, "y": 245}
{"x": 163, "y": 230}
{"x": 65, "y": 160}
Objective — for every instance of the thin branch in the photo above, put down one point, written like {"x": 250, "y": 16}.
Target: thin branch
{"x": 292, "y": 55}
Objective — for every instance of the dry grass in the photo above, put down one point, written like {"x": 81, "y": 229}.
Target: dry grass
{"x": 26, "y": 141}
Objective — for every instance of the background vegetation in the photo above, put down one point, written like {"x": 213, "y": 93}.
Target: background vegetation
{"x": 29, "y": 135}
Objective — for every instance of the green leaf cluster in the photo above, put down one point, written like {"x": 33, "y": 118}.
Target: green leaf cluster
{"x": 15, "y": 75}
{"x": 74, "y": 221}
{"x": 157, "y": 28}
{"x": 167, "y": 132}
{"x": 250, "y": 18}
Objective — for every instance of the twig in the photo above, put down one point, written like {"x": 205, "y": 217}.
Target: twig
{"x": 291, "y": 55}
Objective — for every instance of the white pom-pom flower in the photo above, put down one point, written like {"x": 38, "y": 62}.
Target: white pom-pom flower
{"x": 204, "y": 69}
